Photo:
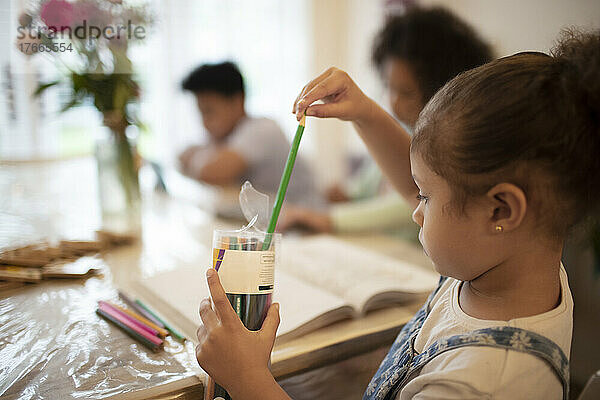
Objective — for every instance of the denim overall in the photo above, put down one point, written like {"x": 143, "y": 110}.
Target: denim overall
{"x": 402, "y": 362}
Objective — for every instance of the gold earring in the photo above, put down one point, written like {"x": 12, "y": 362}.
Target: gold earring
{"x": 499, "y": 228}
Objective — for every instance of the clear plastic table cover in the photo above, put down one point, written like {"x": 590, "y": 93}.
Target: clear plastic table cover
{"x": 54, "y": 345}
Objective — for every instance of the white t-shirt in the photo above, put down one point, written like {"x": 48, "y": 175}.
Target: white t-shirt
{"x": 476, "y": 372}
{"x": 265, "y": 149}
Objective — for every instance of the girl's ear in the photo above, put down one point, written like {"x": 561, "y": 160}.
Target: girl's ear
{"x": 509, "y": 205}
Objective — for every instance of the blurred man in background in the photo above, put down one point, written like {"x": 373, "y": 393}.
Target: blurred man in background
{"x": 241, "y": 147}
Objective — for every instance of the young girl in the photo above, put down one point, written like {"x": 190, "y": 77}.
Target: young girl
{"x": 505, "y": 161}
{"x": 413, "y": 66}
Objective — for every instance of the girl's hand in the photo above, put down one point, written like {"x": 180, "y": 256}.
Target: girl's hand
{"x": 233, "y": 356}
{"x": 337, "y": 194}
{"x": 186, "y": 157}
{"x": 342, "y": 98}
{"x": 305, "y": 218}
{"x": 387, "y": 141}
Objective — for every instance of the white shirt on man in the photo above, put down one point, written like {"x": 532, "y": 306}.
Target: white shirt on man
{"x": 265, "y": 148}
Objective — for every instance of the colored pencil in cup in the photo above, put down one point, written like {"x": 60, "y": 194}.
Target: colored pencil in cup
{"x": 252, "y": 244}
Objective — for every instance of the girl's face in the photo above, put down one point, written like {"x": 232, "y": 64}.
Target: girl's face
{"x": 405, "y": 97}
{"x": 458, "y": 244}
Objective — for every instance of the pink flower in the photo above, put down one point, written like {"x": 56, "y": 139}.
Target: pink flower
{"x": 57, "y": 15}
{"x": 90, "y": 13}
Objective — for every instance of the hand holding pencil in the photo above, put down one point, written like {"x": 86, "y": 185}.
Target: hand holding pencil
{"x": 341, "y": 96}
{"x": 386, "y": 139}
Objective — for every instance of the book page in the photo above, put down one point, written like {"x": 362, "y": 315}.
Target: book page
{"x": 303, "y": 307}
{"x": 353, "y": 273}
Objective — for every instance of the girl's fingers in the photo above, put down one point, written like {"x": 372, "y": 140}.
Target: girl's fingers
{"x": 310, "y": 85}
{"x": 330, "y": 110}
{"x": 207, "y": 315}
{"x": 222, "y": 306}
{"x": 329, "y": 87}
{"x": 199, "y": 353}
{"x": 271, "y": 322}
{"x": 302, "y": 93}
{"x": 201, "y": 334}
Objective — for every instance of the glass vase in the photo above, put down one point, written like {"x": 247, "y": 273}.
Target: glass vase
{"x": 118, "y": 185}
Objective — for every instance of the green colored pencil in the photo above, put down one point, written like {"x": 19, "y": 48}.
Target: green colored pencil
{"x": 285, "y": 180}
{"x": 173, "y": 332}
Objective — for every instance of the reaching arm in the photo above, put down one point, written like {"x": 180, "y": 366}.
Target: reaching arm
{"x": 389, "y": 144}
{"x": 386, "y": 140}
{"x": 224, "y": 168}
{"x": 221, "y": 168}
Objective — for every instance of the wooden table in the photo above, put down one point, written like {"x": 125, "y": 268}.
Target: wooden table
{"x": 53, "y": 200}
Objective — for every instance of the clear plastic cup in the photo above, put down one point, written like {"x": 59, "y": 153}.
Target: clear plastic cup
{"x": 245, "y": 261}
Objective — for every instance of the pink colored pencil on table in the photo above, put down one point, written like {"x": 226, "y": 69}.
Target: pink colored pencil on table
{"x": 104, "y": 306}
{"x": 134, "y": 321}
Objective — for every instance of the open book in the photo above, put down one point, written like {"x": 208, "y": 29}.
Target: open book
{"x": 319, "y": 280}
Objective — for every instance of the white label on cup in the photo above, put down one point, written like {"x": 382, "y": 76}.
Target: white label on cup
{"x": 246, "y": 272}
